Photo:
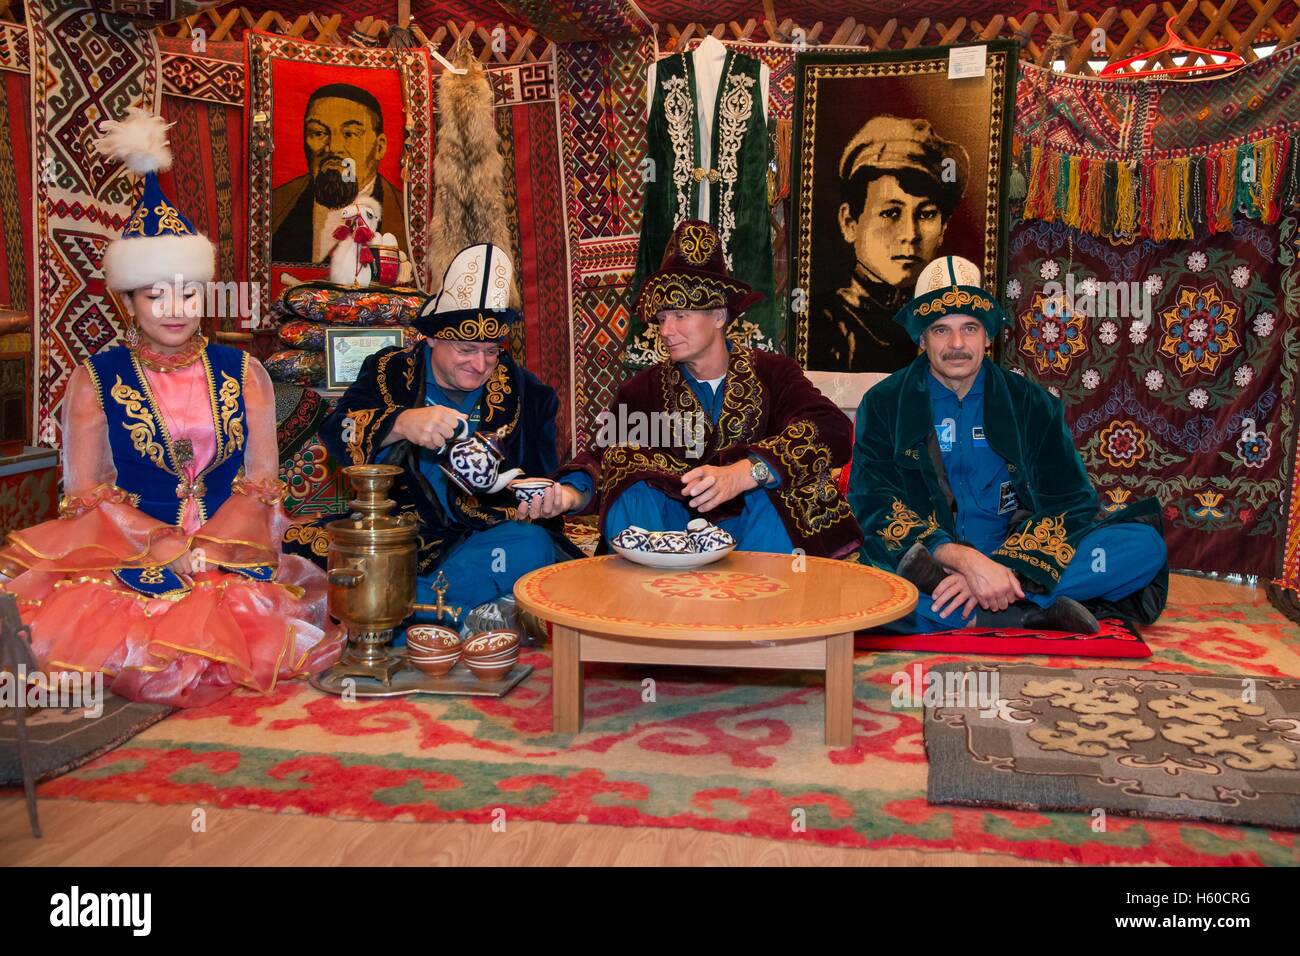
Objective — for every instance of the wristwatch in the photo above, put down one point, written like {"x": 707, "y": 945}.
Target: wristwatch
{"x": 759, "y": 471}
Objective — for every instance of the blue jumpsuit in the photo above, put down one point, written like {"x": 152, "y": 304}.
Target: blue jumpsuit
{"x": 758, "y": 527}
{"x": 1110, "y": 563}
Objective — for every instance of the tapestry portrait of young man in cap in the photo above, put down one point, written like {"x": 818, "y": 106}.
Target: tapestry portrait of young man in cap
{"x": 895, "y": 164}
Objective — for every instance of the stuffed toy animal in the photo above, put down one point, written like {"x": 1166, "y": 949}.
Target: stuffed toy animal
{"x": 351, "y": 259}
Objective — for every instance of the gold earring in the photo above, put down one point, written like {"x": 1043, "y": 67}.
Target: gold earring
{"x": 132, "y": 336}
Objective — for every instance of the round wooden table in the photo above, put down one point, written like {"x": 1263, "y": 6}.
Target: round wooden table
{"x": 748, "y": 610}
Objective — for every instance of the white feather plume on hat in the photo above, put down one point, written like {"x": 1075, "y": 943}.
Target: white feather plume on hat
{"x": 154, "y": 247}
{"x": 139, "y": 141}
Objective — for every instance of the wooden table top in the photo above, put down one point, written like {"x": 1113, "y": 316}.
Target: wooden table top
{"x": 744, "y": 597}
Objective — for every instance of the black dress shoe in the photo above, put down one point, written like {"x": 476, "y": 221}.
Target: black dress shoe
{"x": 920, "y": 567}
{"x": 1063, "y": 614}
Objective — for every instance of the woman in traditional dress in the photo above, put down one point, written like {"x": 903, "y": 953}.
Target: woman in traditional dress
{"x": 164, "y": 570}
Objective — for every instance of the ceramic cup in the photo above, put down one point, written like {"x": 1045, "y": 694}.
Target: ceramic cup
{"x": 708, "y": 537}
{"x": 670, "y": 542}
{"x": 632, "y": 538}
{"x": 529, "y": 489}
{"x": 491, "y": 654}
{"x": 432, "y": 648}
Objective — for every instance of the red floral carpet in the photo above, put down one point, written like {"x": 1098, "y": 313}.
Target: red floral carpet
{"x": 727, "y": 752}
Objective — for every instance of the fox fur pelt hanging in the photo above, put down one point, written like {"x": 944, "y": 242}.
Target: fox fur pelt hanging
{"x": 468, "y": 170}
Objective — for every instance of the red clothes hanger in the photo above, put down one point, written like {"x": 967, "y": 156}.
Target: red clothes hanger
{"x": 1174, "y": 44}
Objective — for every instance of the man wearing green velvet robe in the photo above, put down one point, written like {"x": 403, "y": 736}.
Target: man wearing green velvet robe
{"x": 966, "y": 481}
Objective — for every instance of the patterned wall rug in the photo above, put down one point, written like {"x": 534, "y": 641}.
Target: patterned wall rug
{"x": 719, "y": 751}
{"x": 1172, "y": 746}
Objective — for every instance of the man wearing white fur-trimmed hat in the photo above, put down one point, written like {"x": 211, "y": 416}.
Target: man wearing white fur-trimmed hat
{"x": 966, "y": 481}
{"x": 408, "y": 403}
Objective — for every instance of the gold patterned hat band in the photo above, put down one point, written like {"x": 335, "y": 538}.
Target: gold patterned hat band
{"x": 694, "y": 276}
{"x": 467, "y": 325}
{"x": 925, "y": 310}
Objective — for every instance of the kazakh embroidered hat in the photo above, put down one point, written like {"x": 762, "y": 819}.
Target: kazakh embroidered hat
{"x": 694, "y": 276}
{"x": 159, "y": 243}
{"x": 950, "y": 286}
{"x": 474, "y": 304}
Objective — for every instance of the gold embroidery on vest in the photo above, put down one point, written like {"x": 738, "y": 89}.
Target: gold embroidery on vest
{"x": 620, "y": 461}
{"x": 142, "y": 428}
{"x": 809, "y": 494}
{"x": 232, "y": 423}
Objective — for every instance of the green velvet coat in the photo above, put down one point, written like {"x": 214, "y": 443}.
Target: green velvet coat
{"x": 900, "y": 495}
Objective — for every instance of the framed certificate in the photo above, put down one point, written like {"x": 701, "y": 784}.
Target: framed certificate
{"x": 347, "y": 348}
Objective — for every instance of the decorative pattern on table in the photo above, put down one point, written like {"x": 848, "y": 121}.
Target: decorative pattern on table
{"x": 81, "y": 200}
{"x": 731, "y": 752}
{"x": 203, "y": 78}
{"x": 533, "y": 587}
{"x": 716, "y": 585}
{"x": 416, "y": 74}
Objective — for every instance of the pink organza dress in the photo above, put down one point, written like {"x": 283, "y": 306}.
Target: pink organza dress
{"x": 222, "y": 628}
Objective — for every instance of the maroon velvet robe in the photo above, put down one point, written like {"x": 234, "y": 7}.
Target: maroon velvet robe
{"x": 768, "y": 407}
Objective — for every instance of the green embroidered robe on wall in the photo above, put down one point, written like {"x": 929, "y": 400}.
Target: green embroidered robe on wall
{"x": 737, "y": 188}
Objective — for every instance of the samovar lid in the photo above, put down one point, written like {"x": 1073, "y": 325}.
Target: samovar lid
{"x": 371, "y": 517}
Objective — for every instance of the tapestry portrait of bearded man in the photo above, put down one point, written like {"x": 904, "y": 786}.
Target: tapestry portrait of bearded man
{"x": 345, "y": 141}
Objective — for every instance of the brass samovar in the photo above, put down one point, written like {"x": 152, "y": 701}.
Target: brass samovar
{"x": 371, "y": 579}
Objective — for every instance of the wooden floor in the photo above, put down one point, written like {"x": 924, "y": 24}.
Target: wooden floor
{"x": 108, "y": 834}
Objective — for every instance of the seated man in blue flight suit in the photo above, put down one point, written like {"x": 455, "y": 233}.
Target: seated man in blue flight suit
{"x": 407, "y": 403}
{"x": 966, "y": 482}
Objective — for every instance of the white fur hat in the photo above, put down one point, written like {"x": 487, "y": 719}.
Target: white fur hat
{"x": 159, "y": 243}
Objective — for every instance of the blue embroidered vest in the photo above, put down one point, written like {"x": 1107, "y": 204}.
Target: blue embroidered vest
{"x": 142, "y": 449}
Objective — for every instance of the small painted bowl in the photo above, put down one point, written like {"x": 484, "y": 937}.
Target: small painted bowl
{"x": 529, "y": 489}
{"x": 489, "y": 644}
{"x": 491, "y": 654}
{"x": 706, "y": 536}
{"x": 432, "y": 649}
{"x": 671, "y": 542}
{"x": 633, "y": 538}
{"x": 491, "y": 670}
